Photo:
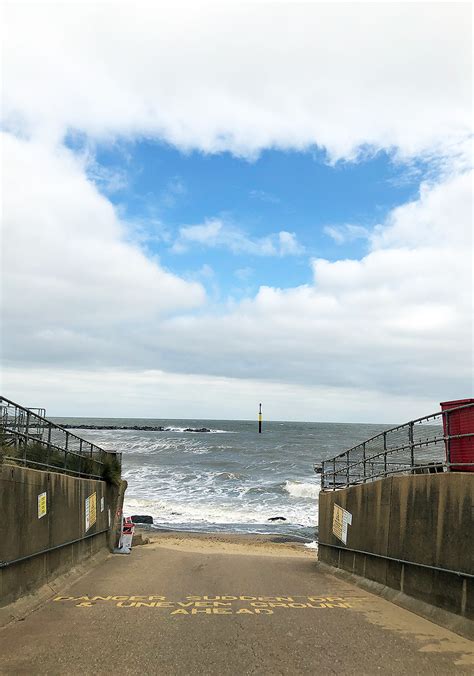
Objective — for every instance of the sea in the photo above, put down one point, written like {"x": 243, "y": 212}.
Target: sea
{"x": 230, "y": 479}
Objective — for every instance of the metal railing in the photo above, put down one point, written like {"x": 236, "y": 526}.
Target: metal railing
{"x": 30, "y": 439}
{"x": 416, "y": 447}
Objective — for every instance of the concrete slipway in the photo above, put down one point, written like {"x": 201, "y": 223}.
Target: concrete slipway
{"x": 216, "y": 605}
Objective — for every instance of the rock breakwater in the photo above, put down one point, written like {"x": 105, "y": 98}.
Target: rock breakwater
{"x": 141, "y": 428}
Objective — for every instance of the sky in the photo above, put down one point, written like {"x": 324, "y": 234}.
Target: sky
{"x": 209, "y": 206}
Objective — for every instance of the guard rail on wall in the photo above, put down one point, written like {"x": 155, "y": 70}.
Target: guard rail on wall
{"x": 28, "y": 438}
{"x": 442, "y": 441}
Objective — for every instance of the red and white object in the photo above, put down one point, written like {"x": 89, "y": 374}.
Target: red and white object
{"x": 126, "y": 537}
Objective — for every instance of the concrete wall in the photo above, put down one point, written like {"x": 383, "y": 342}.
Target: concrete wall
{"x": 426, "y": 519}
{"x": 23, "y": 533}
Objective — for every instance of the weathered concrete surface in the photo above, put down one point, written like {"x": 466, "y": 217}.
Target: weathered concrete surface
{"x": 305, "y": 621}
{"x": 32, "y": 601}
{"x": 22, "y": 532}
{"x": 426, "y": 519}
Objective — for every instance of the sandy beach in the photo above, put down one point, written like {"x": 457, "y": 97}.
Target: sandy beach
{"x": 213, "y": 543}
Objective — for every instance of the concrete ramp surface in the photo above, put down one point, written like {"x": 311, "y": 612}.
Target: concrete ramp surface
{"x": 216, "y": 605}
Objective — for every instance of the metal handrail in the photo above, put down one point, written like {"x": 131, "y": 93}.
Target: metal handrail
{"x": 6, "y": 564}
{"x": 361, "y": 463}
{"x": 45, "y": 421}
{"x": 21, "y": 428}
{"x": 405, "y": 562}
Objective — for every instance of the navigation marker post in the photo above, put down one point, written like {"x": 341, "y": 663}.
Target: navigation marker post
{"x": 260, "y": 419}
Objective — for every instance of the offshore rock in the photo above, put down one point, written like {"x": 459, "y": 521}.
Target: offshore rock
{"x": 142, "y": 518}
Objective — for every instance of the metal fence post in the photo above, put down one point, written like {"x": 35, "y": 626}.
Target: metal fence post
{"x": 27, "y": 426}
{"x": 27, "y": 437}
{"x": 364, "y": 462}
{"x": 412, "y": 444}
{"x": 385, "y": 453}
{"x": 334, "y": 475}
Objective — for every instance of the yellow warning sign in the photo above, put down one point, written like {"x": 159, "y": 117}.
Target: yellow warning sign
{"x": 341, "y": 519}
{"x": 42, "y": 505}
{"x": 91, "y": 510}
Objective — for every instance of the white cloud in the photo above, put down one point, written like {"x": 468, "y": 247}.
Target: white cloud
{"x": 70, "y": 272}
{"x": 432, "y": 220}
{"x": 108, "y": 180}
{"x": 206, "y": 271}
{"x": 174, "y": 190}
{"x": 216, "y": 233}
{"x": 244, "y": 274}
{"x": 244, "y": 78}
{"x": 346, "y": 233}
{"x": 207, "y": 234}
{"x": 264, "y": 196}
{"x": 289, "y": 245}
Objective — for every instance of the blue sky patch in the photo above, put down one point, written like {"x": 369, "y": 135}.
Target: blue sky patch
{"x": 329, "y": 208}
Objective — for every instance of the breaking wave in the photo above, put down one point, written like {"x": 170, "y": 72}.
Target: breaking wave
{"x": 184, "y": 515}
{"x": 201, "y": 430}
{"x": 299, "y": 489}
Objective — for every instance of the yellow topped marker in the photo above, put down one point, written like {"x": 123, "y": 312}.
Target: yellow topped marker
{"x": 260, "y": 419}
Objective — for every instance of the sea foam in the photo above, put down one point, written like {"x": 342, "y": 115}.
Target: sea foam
{"x": 299, "y": 489}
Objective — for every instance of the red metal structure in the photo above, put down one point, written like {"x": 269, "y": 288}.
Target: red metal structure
{"x": 460, "y": 421}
